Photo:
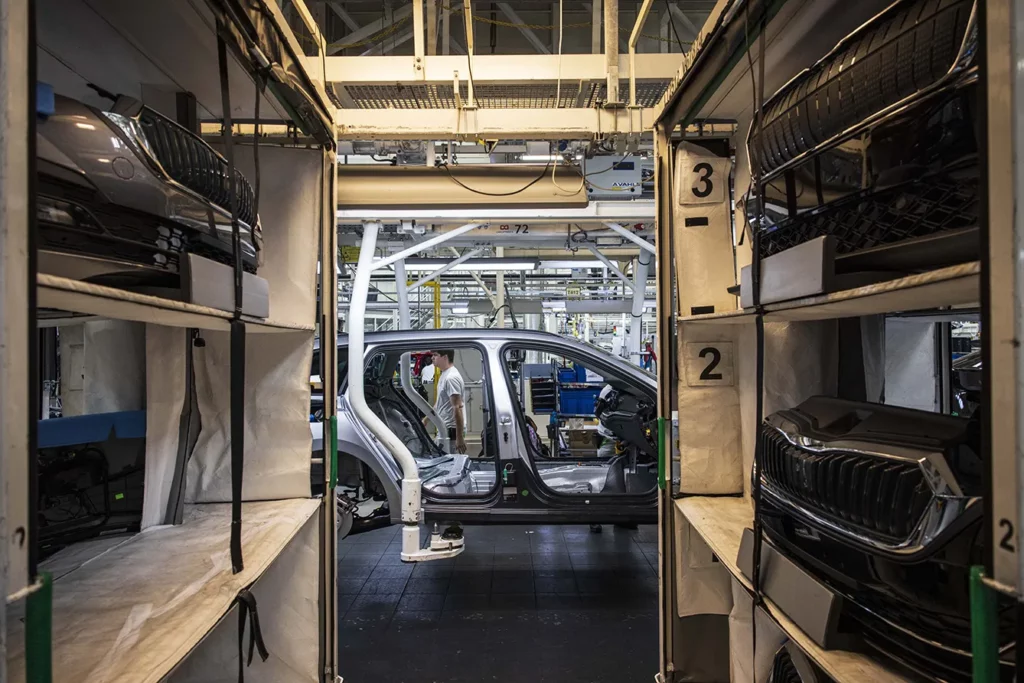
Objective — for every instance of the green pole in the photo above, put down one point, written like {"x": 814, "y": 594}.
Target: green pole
{"x": 984, "y": 641}
{"x": 39, "y": 632}
{"x": 332, "y": 449}
{"x": 662, "y": 442}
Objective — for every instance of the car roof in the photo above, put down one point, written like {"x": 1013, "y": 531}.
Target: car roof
{"x": 444, "y": 338}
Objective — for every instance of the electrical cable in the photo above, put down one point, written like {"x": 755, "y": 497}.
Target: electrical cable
{"x": 530, "y": 184}
{"x": 755, "y": 271}
{"x": 672, "y": 23}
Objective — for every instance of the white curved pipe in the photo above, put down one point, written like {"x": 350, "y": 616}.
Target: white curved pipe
{"x": 405, "y": 322}
{"x": 411, "y": 512}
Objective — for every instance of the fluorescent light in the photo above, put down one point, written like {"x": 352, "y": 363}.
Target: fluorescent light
{"x": 545, "y": 158}
{"x": 460, "y": 309}
{"x": 476, "y": 265}
{"x": 563, "y": 264}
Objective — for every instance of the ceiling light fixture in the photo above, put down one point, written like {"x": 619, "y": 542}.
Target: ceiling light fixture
{"x": 562, "y": 264}
{"x": 486, "y": 265}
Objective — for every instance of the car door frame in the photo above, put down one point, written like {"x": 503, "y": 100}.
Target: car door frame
{"x": 598, "y": 506}
{"x": 383, "y": 464}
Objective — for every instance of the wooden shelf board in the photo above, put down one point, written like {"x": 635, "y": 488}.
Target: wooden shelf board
{"x": 133, "y": 612}
{"x": 720, "y": 521}
{"x": 957, "y": 285}
{"x": 109, "y": 302}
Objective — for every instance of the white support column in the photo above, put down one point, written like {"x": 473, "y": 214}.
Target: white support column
{"x": 431, "y": 27}
{"x": 611, "y": 49}
{"x": 467, "y": 18}
{"x": 417, "y": 30}
{"x": 640, "y": 270}
{"x": 499, "y": 286}
{"x": 446, "y": 29}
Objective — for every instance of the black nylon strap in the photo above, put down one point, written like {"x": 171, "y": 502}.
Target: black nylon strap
{"x": 237, "y": 380}
{"x": 247, "y": 610}
{"x": 237, "y": 439}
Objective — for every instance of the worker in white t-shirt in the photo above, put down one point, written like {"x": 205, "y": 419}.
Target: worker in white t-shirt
{"x": 427, "y": 373}
{"x": 449, "y": 405}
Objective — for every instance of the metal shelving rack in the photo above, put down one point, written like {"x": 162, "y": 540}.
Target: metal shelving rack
{"x": 186, "y": 575}
{"x": 715, "y": 80}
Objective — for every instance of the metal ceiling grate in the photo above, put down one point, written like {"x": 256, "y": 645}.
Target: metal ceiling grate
{"x": 497, "y": 95}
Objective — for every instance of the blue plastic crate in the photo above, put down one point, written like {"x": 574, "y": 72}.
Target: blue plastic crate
{"x": 578, "y": 401}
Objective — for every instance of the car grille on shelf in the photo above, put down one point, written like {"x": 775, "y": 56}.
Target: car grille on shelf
{"x": 878, "y": 497}
{"x": 873, "y": 218}
{"x": 905, "y": 51}
{"x": 783, "y": 669}
{"x": 196, "y": 165}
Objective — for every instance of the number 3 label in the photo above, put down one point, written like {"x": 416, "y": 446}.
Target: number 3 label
{"x": 709, "y": 364}
{"x": 705, "y": 181}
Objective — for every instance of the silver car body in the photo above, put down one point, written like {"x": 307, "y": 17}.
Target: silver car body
{"x": 451, "y": 482}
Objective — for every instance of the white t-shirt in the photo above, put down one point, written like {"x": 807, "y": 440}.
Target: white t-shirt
{"x": 427, "y": 374}
{"x": 449, "y": 385}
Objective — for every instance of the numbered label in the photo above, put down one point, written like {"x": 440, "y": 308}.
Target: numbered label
{"x": 709, "y": 364}
{"x": 1007, "y": 536}
{"x": 514, "y": 228}
{"x": 705, "y": 181}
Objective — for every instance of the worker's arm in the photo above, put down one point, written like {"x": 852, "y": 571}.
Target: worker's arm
{"x": 460, "y": 424}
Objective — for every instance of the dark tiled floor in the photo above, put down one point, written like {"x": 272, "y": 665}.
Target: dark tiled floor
{"x": 530, "y": 604}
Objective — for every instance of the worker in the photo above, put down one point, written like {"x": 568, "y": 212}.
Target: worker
{"x": 606, "y": 449}
{"x": 449, "y": 405}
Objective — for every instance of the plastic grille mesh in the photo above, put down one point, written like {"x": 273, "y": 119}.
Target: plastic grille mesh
{"x": 872, "y": 218}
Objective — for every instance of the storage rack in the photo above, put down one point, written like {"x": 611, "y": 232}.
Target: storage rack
{"x": 166, "y": 603}
{"x": 715, "y": 81}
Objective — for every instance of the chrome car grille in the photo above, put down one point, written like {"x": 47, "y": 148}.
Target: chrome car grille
{"x": 912, "y": 48}
{"x": 193, "y": 163}
{"x": 881, "y": 498}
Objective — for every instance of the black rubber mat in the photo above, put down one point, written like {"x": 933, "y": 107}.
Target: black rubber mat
{"x": 523, "y": 604}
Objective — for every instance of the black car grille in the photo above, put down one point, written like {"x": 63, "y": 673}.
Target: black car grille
{"x": 907, "y": 50}
{"x": 194, "y": 164}
{"x": 880, "y": 498}
{"x": 874, "y": 218}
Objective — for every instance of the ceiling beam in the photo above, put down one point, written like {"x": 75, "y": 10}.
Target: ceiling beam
{"x": 487, "y": 68}
{"x": 685, "y": 21}
{"x": 530, "y": 124}
{"x": 527, "y": 32}
{"x": 338, "y": 9}
{"x": 364, "y": 32}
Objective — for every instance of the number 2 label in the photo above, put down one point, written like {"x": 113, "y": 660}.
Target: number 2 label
{"x": 709, "y": 364}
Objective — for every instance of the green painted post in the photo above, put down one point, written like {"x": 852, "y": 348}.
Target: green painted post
{"x": 984, "y": 641}
{"x": 39, "y": 632}
{"x": 662, "y": 459}
{"x": 333, "y": 450}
